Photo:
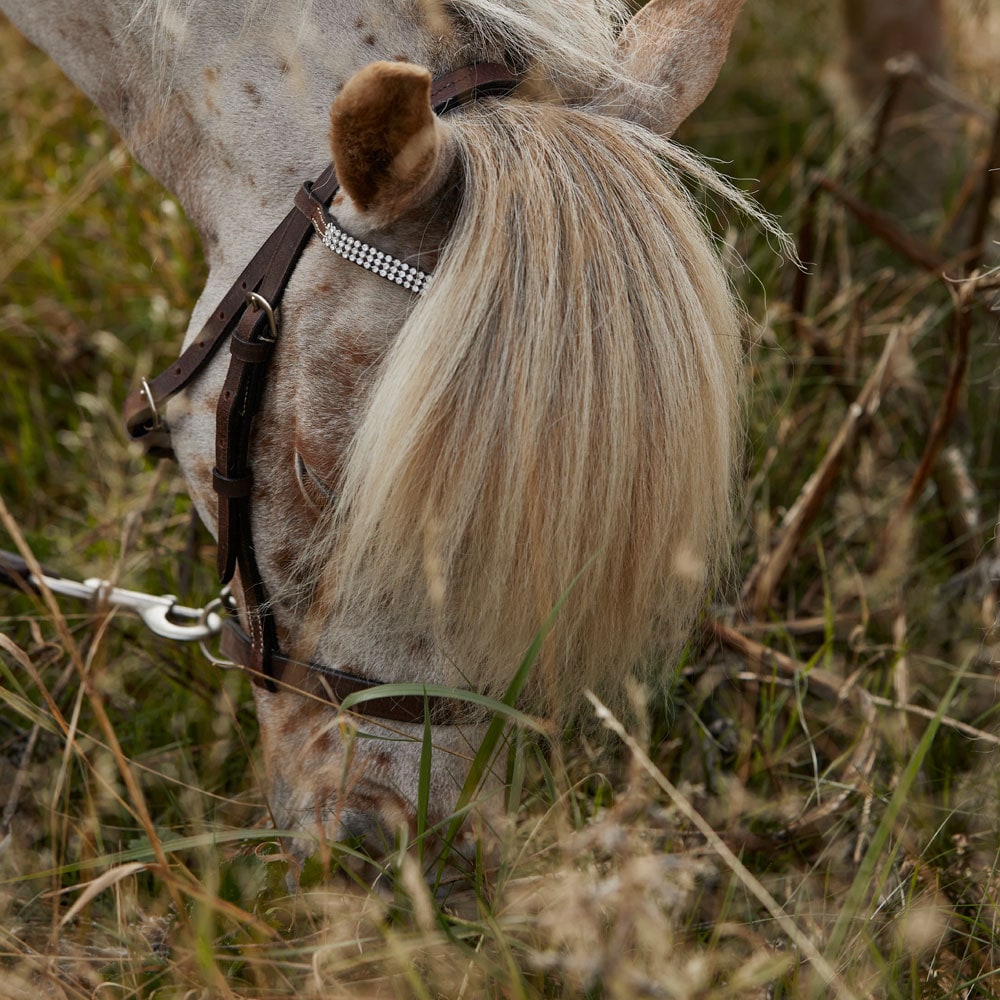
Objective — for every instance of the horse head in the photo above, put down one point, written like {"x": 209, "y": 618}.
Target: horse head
{"x": 552, "y": 422}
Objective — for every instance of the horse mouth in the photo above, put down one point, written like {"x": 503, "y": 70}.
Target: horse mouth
{"x": 372, "y": 819}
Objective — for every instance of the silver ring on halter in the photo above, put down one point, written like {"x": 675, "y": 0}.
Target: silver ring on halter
{"x": 259, "y": 302}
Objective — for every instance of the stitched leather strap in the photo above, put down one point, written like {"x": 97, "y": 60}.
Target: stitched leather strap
{"x": 251, "y": 347}
{"x": 471, "y": 83}
{"x": 142, "y": 410}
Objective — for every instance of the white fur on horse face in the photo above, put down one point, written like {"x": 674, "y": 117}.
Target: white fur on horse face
{"x": 230, "y": 110}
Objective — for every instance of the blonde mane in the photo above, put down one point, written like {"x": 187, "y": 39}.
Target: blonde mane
{"x": 562, "y": 404}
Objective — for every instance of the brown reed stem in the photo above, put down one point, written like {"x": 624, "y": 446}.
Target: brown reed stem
{"x": 991, "y": 182}
{"x": 762, "y": 580}
{"x": 885, "y": 227}
{"x": 945, "y": 416}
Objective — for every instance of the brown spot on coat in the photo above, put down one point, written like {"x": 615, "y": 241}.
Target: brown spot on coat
{"x": 307, "y": 714}
{"x": 326, "y": 743}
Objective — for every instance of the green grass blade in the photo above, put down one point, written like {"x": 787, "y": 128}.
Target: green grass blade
{"x": 401, "y": 690}
{"x": 869, "y": 879}
{"x": 484, "y": 755}
{"x": 424, "y": 781}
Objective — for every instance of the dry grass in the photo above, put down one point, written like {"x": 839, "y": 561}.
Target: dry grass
{"x": 835, "y": 728}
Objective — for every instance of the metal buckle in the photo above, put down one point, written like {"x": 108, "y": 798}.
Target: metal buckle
{"x": 147, "y": 394}
{"x": 258, "y": 302}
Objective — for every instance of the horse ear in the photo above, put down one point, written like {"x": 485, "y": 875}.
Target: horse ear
{"x": 388, "y": 145}
{"x": 677, "y": 47}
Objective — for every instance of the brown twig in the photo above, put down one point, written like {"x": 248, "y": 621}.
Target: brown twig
{"x": 945, "y": 416}
{"x": 887, "y": 105}
{"x": 885, "y": 227}
{"x": 806, "y": 250}
{"x": 770, "y": 567}
{"x": 950, "y": 94}
{"x": 991, "y": 181}
{"x": 758, "y": 654}
{"x": 826, "y": 685}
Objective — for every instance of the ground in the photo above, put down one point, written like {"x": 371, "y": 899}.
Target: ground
{"x": 817, "y": 812}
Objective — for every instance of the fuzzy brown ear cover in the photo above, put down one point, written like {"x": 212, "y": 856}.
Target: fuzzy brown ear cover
{"x": 385, "y": 137}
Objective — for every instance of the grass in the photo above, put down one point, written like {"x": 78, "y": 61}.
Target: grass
{"x": 817, "y": 813}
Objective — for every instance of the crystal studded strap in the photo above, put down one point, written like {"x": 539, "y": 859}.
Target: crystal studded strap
{"x": 450, "y": 91}
{"x": 350, "y": 248}
{"x": 371, "y": 258}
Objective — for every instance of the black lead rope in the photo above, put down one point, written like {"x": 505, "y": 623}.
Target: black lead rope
{"x": 17, "y": 574}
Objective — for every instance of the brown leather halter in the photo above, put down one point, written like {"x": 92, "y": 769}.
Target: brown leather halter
{"x": 248, "y": 318}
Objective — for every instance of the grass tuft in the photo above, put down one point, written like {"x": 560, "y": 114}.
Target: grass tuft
{"x": 818, "y": 811}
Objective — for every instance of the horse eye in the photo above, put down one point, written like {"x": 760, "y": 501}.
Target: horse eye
{"x": 314, "y": 489}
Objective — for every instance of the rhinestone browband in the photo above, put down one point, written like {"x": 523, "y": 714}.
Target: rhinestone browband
{"x": 372, "y": 259}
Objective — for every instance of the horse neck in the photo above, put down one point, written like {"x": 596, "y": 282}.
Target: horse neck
{"x": 227, "y": 109}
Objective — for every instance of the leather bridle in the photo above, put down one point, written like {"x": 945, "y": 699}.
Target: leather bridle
{"x": 248, "y": 318}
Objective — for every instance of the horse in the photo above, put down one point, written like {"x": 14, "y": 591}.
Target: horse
{"x": 540, "y": 424}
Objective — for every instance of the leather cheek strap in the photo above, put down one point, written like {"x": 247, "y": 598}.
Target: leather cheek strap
{"x": 278, "y": 254}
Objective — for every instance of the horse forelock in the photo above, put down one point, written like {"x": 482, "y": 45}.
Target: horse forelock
{"x": 558, "y": 415}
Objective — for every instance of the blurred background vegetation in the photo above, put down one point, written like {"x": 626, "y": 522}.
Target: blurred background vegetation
{"x": 841, "y": 735}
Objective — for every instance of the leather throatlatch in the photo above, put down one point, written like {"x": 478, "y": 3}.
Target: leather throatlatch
{"x": 248, "y": 317}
